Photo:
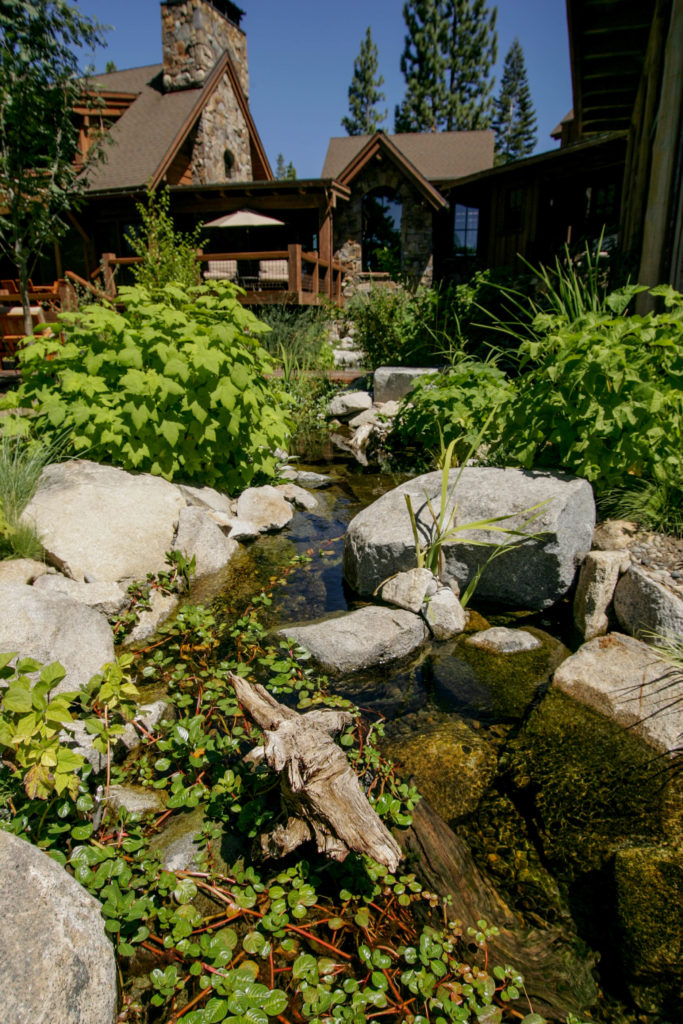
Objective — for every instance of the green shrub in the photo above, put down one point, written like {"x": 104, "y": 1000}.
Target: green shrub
{"x": 603, "y": 394}
{"x": 402, "y": 327}
{"x": 452, "y": 406}
{"x": 168, "y": 256}
{"x": 174, "y": 390}
{"x": 298, "y": 334}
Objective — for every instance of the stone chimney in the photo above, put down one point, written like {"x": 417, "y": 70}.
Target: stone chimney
{"x": 194, "y": 34}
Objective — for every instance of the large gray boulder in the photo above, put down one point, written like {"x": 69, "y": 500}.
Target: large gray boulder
{"x": 55, "y": 628}
{"x": 369, "y": 636}
{"x": 622, "y": 679}
{"x": 57, "y": 964}
{"x": 379, "y": 540}
{"x": 103, "y": 523}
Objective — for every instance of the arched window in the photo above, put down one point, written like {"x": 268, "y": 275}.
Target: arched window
{"x": 382, "y": 208}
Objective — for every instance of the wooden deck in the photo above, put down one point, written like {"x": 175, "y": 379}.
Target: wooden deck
{"x": 285, "y": 276}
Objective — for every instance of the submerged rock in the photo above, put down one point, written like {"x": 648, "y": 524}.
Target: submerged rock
{"x": 452, "y": 764}
{"x": 57, "y": 963}
{"x": 360, "y": 639}
{"x": 379, "y": 540}
{"x": 649, "y": 896}
{"x": 477, "y": 677}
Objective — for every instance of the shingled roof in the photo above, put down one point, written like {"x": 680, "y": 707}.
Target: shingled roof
{"x": 438, "y": 156}
{"x": 148, "y": 134}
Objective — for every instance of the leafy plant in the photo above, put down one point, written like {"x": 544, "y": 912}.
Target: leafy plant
{"x": 602, "y": 395}
{"x": 167, "y": 256}
{"x": 450, "y": 406}
{"x": 173, "y": 385}
{"x": 405, "y": 327}
{"x": 298, "y": 336}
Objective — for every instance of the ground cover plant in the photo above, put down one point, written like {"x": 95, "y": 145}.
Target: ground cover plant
{"x": 173, "y": 385}
{"x": 234, "y": 937}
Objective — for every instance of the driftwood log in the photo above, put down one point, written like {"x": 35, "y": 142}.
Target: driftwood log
{"x": 320, "y": 792}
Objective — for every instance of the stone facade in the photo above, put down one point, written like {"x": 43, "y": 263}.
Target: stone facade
{"x": 416, "y": 224}
{"x": 221, "y": 149}
{"x": 194, "y": 34}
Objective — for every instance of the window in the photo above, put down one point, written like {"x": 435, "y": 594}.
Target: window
{"x": 465, "y": 230}
{"x": 382, "y": 209}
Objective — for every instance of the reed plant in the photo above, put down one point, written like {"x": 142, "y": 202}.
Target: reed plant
{"x": 22, "y": 459}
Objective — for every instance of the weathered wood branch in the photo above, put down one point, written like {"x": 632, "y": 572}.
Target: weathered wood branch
{"x": 320, "y": 791}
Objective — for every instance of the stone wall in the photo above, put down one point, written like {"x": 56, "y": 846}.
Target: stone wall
{"x": 194, "y": 35}
{"x": 416, "y": 224}
{"x": 221, "y": 128}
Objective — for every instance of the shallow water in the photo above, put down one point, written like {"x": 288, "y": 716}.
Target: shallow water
{"x": 480, "y": 720}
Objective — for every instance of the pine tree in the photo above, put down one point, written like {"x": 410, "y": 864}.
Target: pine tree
{"x": 472, "y": 49}
{"x": 449, "y": 51}
{"x": 423, "y": 64}
{"x": 283, "y": 171}
{"x": 514, "y": 118}
{"x": 364, "y": 92}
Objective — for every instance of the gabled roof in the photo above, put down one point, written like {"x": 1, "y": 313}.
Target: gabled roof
{"x": 148, "y": 135}
{"x": 437, "y": 156}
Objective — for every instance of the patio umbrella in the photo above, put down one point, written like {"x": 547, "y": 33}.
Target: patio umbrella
{"x": 244, "y": 219}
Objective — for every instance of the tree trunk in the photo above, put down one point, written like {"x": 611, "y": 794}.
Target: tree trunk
{"x": 22, "y": 267}
{"x": 320, "y": 792}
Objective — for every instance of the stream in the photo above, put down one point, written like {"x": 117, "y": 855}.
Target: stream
{"x": 539, "y": 791}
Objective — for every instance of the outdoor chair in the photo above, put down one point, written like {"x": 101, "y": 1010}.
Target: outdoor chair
{"x": 273, "y": 272}
{"x": 220, "y": 270}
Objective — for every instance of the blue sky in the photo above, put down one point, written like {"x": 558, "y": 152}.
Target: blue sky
{"x": 301, "y": 55}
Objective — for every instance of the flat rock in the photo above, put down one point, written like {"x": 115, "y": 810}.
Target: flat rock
{"x": 107, "y": 598}
{"x": 104, "y": 523}
{"x": 55, "y": 628}
{"x": 503, "y": 640}
{"x": 409, "y": 589}
{"x": 163, "y": 605}
{"x": 57, "y": 964}
{"x": 200, "y": 536}
{"x": 360, "y": 639}
{"x": 644, "y": 606}
{"x": 206, "y": 497}
{"x": 597, "y": 580}
{"x": 379, "y": 541}
{"x": 392, "y": 383}
{"x": 621, "y": 678}
{"x": 444, "y": 615}
{"x": 348, "y": 404}
{"x": 298, "y": 496}
{"x": 311, "y": 481}
{"x": 22, "y": 570}
{"x": 265, "y": 507}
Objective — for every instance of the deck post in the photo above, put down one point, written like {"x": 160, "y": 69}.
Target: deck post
{"x": 294, "y": 269}
{"x": 326, "y": 248}
{"x": 109, "y": 285}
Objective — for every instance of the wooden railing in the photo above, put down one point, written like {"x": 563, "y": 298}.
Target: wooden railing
{"x": 308, "y": 277}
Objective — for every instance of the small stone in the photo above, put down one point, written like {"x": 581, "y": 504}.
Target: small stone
{"x": 348, "y": 404}
{"x": 312, "y": 481}
{"x": 504, "y": 641}
{"x": 597, "y": 581}
{"x": 243, "y": 530}
{"x": 163, "y": 605}
{"x": 614, "y": 535}
{"x": 265, "y": 507}
{"x": 366, "y": 416}
{"x": 444, "y": 615}
{"x": 199, "y": 536}
{"x": 408, "y": 589}
{"x": 136, "y": 799}
{"x": 21, "y": 570}
{"x": 298, "y": 496}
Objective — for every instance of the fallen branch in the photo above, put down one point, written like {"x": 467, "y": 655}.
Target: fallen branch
{"x": 320, "y": 791}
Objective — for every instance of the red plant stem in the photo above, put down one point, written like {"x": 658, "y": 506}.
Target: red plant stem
{"x": 189, "y": 1006}
{"x": 272, "y": 967}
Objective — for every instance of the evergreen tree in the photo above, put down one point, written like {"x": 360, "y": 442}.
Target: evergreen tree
{"x": 423, "y": 64}
{"x": 472, "y": 49}
{"x": 364, "y": 92}
{"x": 283, "y": 171}
{"x": 514, "y": 118}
